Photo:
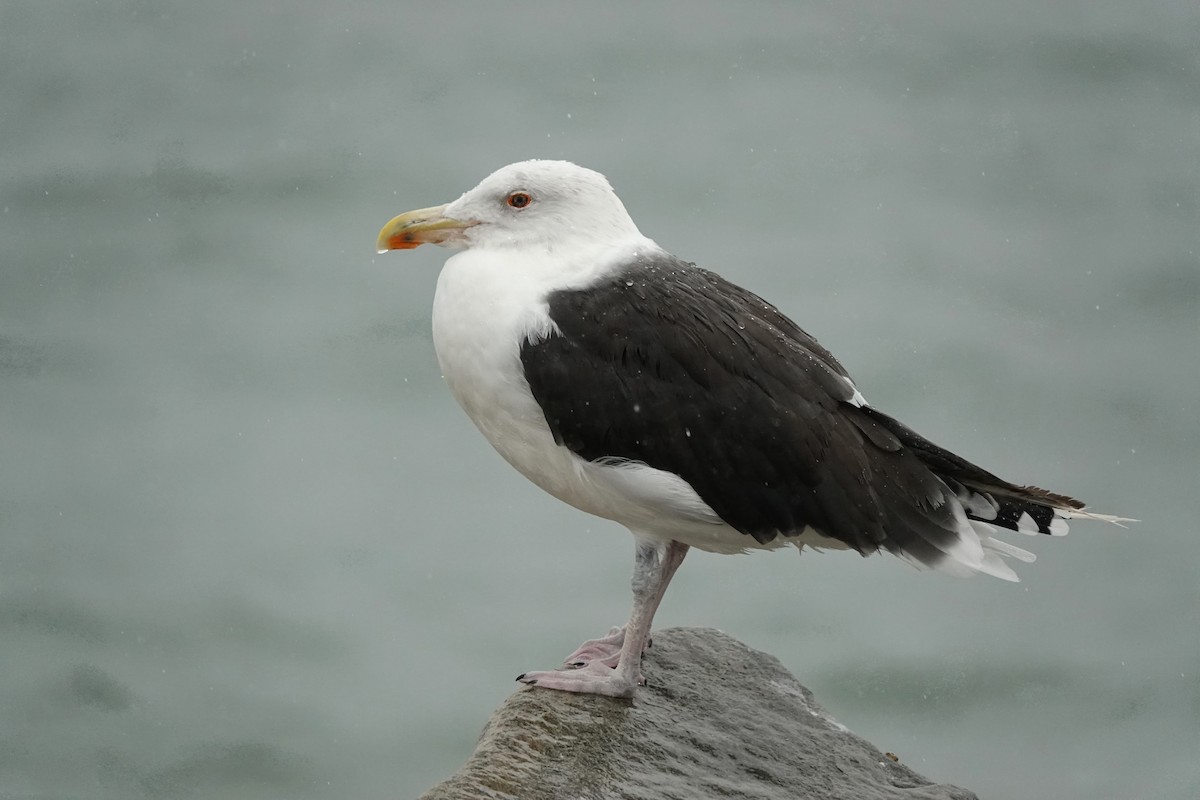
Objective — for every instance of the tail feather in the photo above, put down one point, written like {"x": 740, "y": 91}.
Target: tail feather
{"x": 991, "y": 502}
{"x": 1025, "y": 509}
{"x": 1031, "y": 514}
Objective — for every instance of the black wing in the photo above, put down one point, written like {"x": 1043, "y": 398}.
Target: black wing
{"x": 673, "y": 366}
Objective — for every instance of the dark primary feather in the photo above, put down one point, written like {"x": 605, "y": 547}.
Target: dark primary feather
{"x": 673, "y": 366}
{"x": 958, "y": 473}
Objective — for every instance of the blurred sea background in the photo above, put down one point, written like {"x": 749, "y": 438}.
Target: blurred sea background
{"x": 249, "y": 546}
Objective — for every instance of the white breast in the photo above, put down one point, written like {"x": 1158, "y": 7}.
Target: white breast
{"x": 488, "y": 302}
{"x": 486, "y": 306}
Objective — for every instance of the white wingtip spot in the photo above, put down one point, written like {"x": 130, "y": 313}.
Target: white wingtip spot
{"x": 978, "y": 504}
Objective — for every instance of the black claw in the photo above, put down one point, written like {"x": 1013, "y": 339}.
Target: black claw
{"x": 522, "y": 675}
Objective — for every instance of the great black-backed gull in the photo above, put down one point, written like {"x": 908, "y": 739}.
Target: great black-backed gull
{"x": 643, "y": 389}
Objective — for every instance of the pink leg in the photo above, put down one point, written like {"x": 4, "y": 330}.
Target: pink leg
{"x": 654, "y": 566}
{"x": 606, "y": 650}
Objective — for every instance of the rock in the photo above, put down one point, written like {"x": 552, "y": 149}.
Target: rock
{"x": 717, "y": 720}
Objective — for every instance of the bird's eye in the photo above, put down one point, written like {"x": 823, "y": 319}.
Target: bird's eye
{"x": 519, "y": 199}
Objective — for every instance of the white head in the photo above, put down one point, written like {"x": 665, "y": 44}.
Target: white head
{"x": 530, "y": 204}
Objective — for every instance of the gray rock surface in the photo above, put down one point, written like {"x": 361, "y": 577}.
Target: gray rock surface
{"x": 717, "y": 720}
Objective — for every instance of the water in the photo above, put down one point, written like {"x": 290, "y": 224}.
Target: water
{"x": 251, "y": 549}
